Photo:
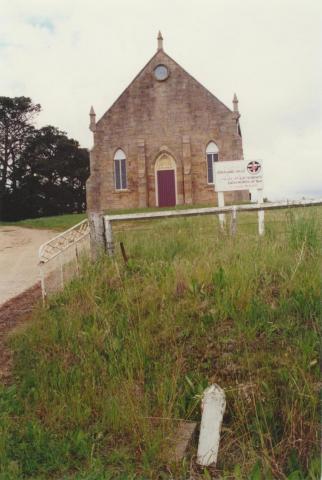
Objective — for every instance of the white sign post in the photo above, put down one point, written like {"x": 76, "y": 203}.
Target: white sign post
{"x": 221, "y": 203}
{"x": 239, "y": 175}
{"x": 261, "y": 213}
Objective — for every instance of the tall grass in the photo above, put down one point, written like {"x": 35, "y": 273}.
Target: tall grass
{"x": 104, "y": 373}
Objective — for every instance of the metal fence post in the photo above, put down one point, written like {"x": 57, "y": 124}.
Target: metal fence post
{"x": 77, "y": 259}
{"x": 42, "y": 281}
{"x": 61, "y": 270}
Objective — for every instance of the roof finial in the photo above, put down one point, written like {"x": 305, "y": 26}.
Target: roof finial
{"x": 92, "y": 116}
{"x": 235, "y": 103}
{"x": 160, "y": 41}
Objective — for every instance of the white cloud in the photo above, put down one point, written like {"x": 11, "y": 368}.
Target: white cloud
{"x": 69, "y": 54}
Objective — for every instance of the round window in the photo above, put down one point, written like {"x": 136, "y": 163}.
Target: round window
{"x": 161, "y": 72}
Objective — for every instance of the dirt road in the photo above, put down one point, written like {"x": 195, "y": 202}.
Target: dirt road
{"x": 19, "y": 259}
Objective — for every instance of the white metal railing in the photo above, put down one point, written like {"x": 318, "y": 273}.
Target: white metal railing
{"x": 49, "y": 250}
{"x": 70, "y": 242}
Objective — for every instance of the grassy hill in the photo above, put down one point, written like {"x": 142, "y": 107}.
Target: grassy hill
{"x": 103, "y": 374}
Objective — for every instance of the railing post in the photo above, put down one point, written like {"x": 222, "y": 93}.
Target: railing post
{"x": 61, "y": 259}
{"x": 77, "y": 259}
{"x": 42, "y": 281}
{"x": 109, "y": 237}
{"x": 233, "y": 223}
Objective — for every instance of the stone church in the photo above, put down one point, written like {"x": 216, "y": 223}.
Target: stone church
{"x": 156, "y": 145}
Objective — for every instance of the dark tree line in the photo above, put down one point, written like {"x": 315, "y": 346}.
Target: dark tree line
{"x": 42, "y": 171}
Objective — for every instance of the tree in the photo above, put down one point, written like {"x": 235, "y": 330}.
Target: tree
{"x": 16, "y": 115}
{"x": 43, "y": 172}
{"x": 56, "y": 169}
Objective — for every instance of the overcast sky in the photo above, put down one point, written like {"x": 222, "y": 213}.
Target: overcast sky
{"x": 68, "y": 55}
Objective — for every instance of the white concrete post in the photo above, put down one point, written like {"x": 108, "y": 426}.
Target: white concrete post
{"x": 261, "y": 214}
{"x": 213, "y": 408}
{"x": 221, "y": 203}
{"x": 96, "y": 223}
{"x": 109, "y": 238}
{"x": 233, "y": 223}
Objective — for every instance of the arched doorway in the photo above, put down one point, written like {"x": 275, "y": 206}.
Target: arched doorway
{"x": 165, "y": 181}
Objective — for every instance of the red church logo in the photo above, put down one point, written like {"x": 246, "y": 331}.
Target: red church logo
{"x": 254, "y": 167}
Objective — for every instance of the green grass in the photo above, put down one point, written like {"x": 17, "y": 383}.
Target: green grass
{"x": 100, "y": 371}
{"x": 63, "y": 222}
{"x": 58, "y": 222}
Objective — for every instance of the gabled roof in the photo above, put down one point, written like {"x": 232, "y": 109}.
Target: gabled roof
{"x": 163, "y": 53}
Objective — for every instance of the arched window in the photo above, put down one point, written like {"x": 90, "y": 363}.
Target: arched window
{"x": 120, "y": 170}
{"x": 212, "y": 156}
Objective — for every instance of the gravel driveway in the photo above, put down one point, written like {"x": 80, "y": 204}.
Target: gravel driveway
{"x": 19, "y": 259}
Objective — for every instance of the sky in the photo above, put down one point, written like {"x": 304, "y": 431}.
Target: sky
{"x": 68, "y": 55}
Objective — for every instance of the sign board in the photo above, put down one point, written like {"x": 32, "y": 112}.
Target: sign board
{"x": 238, "y": 175}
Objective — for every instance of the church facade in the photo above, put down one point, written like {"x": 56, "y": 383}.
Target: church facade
{"x": 156, "y": 145}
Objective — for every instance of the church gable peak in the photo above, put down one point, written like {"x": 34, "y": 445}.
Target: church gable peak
{"x": 160, "y": 66}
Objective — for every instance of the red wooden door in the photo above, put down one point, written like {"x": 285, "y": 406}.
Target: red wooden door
{"x": 166, "y": 188}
